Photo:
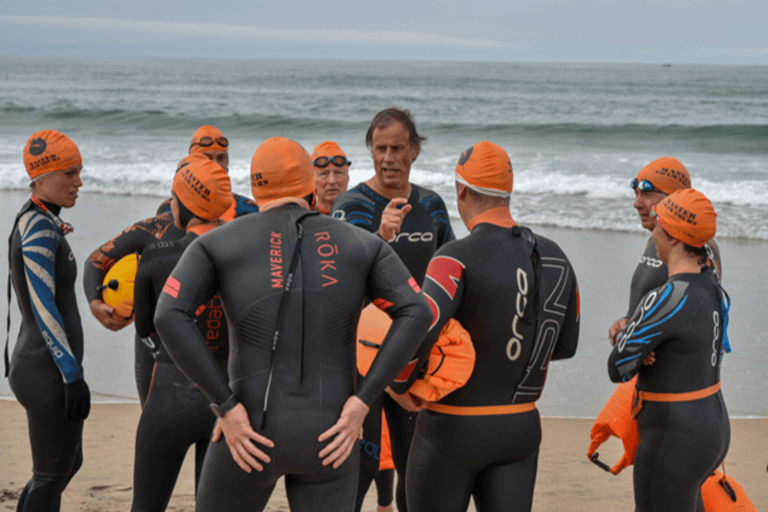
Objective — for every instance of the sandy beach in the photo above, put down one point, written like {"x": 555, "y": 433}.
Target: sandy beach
{"x": 566, "y": 481}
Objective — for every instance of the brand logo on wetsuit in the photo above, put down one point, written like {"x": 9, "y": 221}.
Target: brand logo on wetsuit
{"x": 651, "y": 262}
{"x": 515, "y": 344}
{"x": 327, "y": 253}
{"x": 276, "y": 259}
{"x": 37, "y": 147}
{"x": 416, "y": 236}
{"x": 215, "y": 314}
{"x": 645, "y": 306}
{"x": 716, "y": 335}
{"x": 56, "y": 351}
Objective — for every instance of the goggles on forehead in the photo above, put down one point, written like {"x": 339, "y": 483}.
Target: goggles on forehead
{"x": 325, "y": 161}
{"x": 644, "y": 186}
{"x": 207, "y": 141}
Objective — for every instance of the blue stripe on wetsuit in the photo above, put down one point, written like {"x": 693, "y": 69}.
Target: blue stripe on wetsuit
{"x": 39, "y": 242}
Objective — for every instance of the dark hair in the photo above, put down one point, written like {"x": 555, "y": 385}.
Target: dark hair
{"x": 185, "y": 215}
{"x": 385, "y": 117}
{"x": 699, "y": 252}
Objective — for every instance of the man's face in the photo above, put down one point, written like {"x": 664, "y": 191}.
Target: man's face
{"x": 220, "y": 157}
{"x": 330, "y": 182}
{"x": 644, "y": 202}
{"x": 392, "y": 154}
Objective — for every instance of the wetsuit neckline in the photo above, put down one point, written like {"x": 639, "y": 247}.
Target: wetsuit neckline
{"x": 52, "y": 207}
{"x": 496, "y": 216}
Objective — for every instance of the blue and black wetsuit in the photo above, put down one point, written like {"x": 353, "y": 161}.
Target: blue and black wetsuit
{"x": 312, "y": 368}
{"x": 516, "y": 294}
{"x": 425, "y": 228}
{"x": 176, "y": 415}
{"x": 48, "y": 352}
{"x": 681, "y": 443}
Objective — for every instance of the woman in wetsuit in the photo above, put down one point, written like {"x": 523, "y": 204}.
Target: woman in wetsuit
{"x": 176, "y": 415}
{"x": 45, "y": 371}
{"x": 681, "y": 416}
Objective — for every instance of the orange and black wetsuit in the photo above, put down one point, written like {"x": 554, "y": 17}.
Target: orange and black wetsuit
{"x": 312, "y": 367}
{"x": 425, "y": 228}
{"x": 516, "y": 294}
{"x": 133, "y": 239}
{"x": 683, "y": 422}
{"x": 176, "y": 415}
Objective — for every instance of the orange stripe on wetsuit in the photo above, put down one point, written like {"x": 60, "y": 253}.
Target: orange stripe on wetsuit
{"x": 480, "y": 410}
{"x": 641, "y": 396}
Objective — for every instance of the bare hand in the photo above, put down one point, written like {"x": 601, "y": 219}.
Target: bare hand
{"x": 241, "y": 439}
{"x": 392, "y": 218}
{"x": 348, "y": 430}
{"x": 650, "y": 359}
{"x": 615, "y": 328}
{"x": 407, "y": 401}
{"x": 107, "y": 315}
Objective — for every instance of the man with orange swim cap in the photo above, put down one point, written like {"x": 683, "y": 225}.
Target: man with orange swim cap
{"x": 682, "y": 421}
{"x": 652, "y": 184}
{"x": 176, "y": 415}
{"x": 294, "y": 281}
{"x": 331, "y": 174}
{"x": 515, "y": 292}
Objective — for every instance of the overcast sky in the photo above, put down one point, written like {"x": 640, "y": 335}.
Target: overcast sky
{"x": 613, "y": 31}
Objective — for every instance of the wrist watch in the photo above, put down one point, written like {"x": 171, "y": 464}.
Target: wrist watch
{"x": 224, "y": 407}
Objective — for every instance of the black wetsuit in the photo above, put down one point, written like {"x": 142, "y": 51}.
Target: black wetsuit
{"x": 520, "y": 307}
{"x": 425, "y": 228}
{"x": 681, "y": 443}
{"x": 651, "y": 272}
{"x": 312, "y": 368}
{"x": 176, "y": 415}
{"x": 133, "y": 240}
{"x": 43, "y": 273}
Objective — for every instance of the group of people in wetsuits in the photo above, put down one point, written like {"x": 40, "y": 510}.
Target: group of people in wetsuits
{"x": 246, "y": 330}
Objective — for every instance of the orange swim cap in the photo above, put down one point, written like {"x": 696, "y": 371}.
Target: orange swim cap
{"x": 281, "y": 168}
{"x": 486, "y": 168}
{"x": 666, "y": 174}
{"x": 208, "y": 138}
{"x": 328, "y": 149}
{"x": 688, "y": 216}
{"x": 49, "y": 151}
{"x": 203, "y": 186}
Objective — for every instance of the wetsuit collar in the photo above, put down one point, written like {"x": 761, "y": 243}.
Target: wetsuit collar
{"x": 283, "y": 201}
{"x": 496, "y": 216}
{"x": 53, "y": 210}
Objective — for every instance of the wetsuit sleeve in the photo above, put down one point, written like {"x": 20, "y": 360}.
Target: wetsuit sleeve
{"x": 392, "y": 288}
{"x": 192, "y": 282}
{"x": 144, "y": 298}
{"x": 569, "y": 332}
{"x": 133, "y": 239}
{"x": 655, "y": 320}
{"x": 357, "y": 210}
{"x": 39, "y": 242}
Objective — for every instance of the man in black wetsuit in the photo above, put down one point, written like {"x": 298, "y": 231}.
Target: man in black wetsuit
{"x": 415, "y": 223}
{"x": 516, "y": 294}
{"x": 208, "y": 141}
{"x": 176, "y": 415}
{"x": 682, "y": 420}
{"x": 653, "y": 183}
{"x": 292, "y": 282}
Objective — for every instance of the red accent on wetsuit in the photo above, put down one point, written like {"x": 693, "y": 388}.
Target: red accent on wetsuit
{"x": 172, "y": 287}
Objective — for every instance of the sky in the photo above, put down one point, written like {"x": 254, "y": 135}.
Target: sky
{"x": 571, "y": 31}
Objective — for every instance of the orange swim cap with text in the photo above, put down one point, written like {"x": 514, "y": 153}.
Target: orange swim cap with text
{"x": 203, "y": 186}
{"x": 208, "y": 138}
{"x": 666, "y": 174}
{"x": 688, "y": 216}
{"x": 486, "y": 168}
{"x": 281, "y": 168}
{"x": 49, "y": 151}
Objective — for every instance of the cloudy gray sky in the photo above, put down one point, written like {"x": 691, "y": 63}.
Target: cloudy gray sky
{"x": 616, "y": 31}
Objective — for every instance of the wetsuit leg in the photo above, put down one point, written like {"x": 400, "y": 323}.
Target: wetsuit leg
{"x": 402, "y": 425}
{"x": 506, "y": 487}
{"x": 680, "y": 445}
{"x": 56, "y": 442}
{"x": 327, "y": 492}
{"x": 143, "y": 365}
{"x": 175, "y": 416}
{"x": 385, "y": 487}
{"x": 370, "y": 450}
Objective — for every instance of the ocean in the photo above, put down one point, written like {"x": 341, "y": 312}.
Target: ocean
{"x": 576, "y": 136}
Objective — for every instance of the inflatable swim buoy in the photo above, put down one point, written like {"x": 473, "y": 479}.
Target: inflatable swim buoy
{"x": 117, "y": 289}
{"x": 721, "y": 493}
{"x": 616, "y": 420}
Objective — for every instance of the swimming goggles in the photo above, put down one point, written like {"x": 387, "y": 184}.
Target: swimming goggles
{"x": 644, "y": 186}
{"x": 207, "y": 141}
{"x": 325, "y": 161}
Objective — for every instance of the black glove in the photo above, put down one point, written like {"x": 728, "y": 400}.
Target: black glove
{"x": 77, "y": 400}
